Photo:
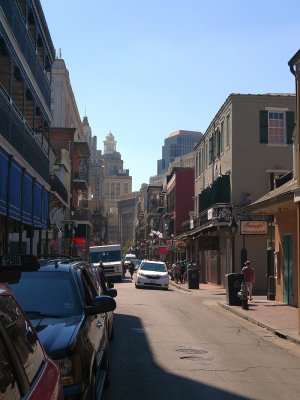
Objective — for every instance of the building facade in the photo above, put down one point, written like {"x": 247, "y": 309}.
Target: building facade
{"x": 117, "y": 182}
{"x": 245, "y": 149}
{"x": 26, "y": 56}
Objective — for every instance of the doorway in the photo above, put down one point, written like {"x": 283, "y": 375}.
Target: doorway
{"x": 287, "y": 244}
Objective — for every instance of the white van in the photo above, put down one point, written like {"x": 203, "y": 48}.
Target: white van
{"x": 110, "y": 256}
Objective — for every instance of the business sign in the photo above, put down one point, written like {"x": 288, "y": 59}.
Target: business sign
{"x": 254, "y": 227}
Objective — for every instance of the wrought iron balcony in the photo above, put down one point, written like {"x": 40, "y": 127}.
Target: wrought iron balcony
{"x": 21, "y": 137}
{"x": 59, "y": 188}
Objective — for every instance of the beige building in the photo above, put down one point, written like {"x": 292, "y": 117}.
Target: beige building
{"x": 245, "y": 149}
{"x": 117, "y": 182}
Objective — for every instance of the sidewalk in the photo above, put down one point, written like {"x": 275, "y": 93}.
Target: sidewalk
{"x": 274, "y": 316}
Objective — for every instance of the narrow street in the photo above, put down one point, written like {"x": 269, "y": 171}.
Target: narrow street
{"x": 175, "y": 345}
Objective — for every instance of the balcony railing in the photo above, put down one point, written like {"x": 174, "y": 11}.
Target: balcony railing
{"x": 83, "y": 215}
{"x": 26, "y": 44}
{"x": 22, "y": 138}
{"x": 218, "y": 215}
{"x": 59, "y": 188}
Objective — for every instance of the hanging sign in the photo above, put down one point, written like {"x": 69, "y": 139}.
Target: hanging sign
{"x": 254, "y": 227}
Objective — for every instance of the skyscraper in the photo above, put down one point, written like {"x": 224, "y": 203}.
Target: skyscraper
{"x": 177, "y": 144}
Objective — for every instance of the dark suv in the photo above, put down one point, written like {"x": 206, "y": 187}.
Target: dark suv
{"x": 63, "y": 303}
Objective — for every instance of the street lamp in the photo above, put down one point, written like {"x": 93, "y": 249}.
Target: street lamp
{"x": 71, "y": 230}
{"x": 232, "y": 230}
{"x": 294, "y": 65}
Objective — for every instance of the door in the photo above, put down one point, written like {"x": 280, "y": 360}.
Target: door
{"x": 287, "y": 244}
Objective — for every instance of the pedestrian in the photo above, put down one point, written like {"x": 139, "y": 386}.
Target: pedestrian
{"x": 176, "y": 271}
{"x": 182, "y": 272}
{"x": 249, "y": 276}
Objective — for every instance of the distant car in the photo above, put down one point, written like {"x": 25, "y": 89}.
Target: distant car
{"x": 128, "y": 258}
{"x": 152, "y": 274}
{"x": 25, "y": 369}
{"x": 63, "y": 303}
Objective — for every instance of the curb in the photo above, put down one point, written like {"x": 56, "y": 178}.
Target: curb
{"x": 180, "y": 287}
{"x": 261, "y": 324}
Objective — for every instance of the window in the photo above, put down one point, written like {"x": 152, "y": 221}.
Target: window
{"x": 8, "y": 385}
{"x": 276, "y": 127}
{"x": 211, "y": 150}
{"x": 227, "y": 131}
{"x": 222, "y": 137}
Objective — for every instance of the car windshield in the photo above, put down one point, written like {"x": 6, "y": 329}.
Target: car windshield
{"x": 153, "y": 267}
{"x": 46, "y": 294}
{"x": 105, "y": 256}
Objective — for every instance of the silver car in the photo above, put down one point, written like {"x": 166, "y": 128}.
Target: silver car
{"x": 152, "y": 274}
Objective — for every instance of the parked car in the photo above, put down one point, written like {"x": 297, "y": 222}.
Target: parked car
{"x": 107, "y": 288}
{"x": 62, "y": 300}
{"x": 25, "y": 369}
{"x": 152, "y": 274}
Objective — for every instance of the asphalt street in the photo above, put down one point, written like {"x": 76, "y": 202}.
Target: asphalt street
{"x": 181, "y": 345}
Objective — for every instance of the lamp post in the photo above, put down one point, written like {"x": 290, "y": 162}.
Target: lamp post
{"x": 294, "y": 65}
{"x": 72, "y": 212}
{"x": 232, "y": 230}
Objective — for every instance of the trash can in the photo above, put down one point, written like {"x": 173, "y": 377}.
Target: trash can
{"x": 193, "y": 277}
{"x": 233, "y": 285}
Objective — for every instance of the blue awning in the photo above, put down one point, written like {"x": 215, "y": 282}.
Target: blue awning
{"x": 45, "y": 209}
{"x": 27, "y": 199}
{"x": 15, "y": 191}
{"x": 3, "y": 181}
{"x": 37, "y": 205}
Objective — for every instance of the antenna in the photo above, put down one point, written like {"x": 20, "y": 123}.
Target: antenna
{"x": 59, "y": 53}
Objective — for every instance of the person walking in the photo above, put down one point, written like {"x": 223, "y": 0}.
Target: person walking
{"x": 176, "y": 271}
{"x": 249, "y": 276}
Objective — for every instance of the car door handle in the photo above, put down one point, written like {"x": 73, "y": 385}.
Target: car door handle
{"x": 99, "y": 324}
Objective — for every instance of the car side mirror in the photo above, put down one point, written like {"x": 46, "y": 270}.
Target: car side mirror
{"x": 102, "y": 304}
{"x": 112, "y": 292}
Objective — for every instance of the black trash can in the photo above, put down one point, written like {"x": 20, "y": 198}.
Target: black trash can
{"x": 193, "y": 277}
{"x": 233, "y": 286}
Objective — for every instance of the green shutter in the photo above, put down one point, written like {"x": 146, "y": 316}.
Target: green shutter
{"x": 263, "y": 125}
{"x": 290, "y": 126}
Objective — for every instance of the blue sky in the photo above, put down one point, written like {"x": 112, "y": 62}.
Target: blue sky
{"x": 145, "y": 68}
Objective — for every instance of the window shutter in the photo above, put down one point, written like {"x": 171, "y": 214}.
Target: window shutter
{"x": 290, "y": 126}
{"x": 263, "y": 125}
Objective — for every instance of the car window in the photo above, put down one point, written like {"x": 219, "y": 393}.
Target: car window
{"x": 46, "y": 292}
{"x": 89, "y": 286}
{"x": 148, "y": 266}
{"x": 23, "y": 338}
{"x": 8, "y": 383}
